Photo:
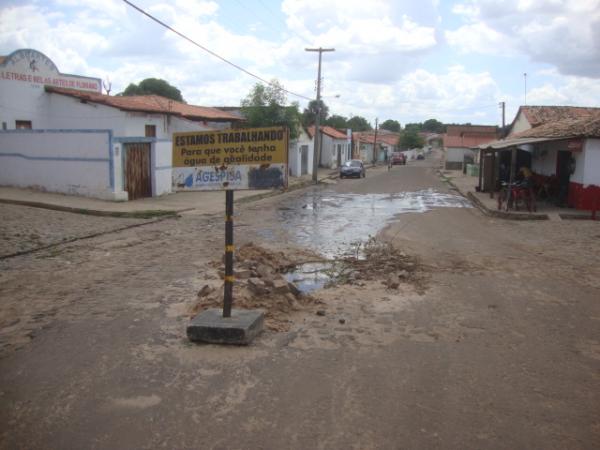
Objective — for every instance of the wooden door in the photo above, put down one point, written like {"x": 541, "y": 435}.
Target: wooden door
{"x": 138, "y": 183}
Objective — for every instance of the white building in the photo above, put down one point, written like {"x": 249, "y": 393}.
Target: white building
{"x": 61, "y": 134}
{"x": 336, "y": 147}
{"x": 561, "y": 146}
{"x": 300, "y": 154}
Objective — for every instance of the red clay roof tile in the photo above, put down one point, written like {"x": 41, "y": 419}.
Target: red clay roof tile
{"x": 149, "y": 104}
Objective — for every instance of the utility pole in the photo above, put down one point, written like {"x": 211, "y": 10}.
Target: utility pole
{"x": 317, "y": 144}
{"x": 525, "y": 79}
{"x": 375, "y": 142}
{"x": 503, "y": 106}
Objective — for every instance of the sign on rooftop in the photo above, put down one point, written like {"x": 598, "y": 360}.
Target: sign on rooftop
{"x": 31, "y": 67}
{"x": 254, "y": 158}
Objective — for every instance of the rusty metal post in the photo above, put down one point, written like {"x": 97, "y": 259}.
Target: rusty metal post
{"x": 228, "y": 286}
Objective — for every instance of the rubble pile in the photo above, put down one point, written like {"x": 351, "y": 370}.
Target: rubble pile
{"x": 380, "y": 259}
{"x": 259, "y": 284}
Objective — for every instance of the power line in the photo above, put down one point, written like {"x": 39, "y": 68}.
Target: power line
{"x": 240, "y": 68}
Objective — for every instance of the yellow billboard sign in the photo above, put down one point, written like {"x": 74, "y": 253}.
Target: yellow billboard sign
{"x": 253, "y": 158}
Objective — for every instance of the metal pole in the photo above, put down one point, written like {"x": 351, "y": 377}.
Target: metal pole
{"x": 228, "y": 287}
{"x": 513, "y": 163}
{"x": 525, "y": 79}
{"x": 317, "y": 144}
{"x": 375, "y": 142}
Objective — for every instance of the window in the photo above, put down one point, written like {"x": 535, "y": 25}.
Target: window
{"x": 23, "y": 124}
{"x": 150, "y": 130}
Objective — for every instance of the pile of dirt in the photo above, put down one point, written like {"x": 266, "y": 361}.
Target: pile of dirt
{"x": 377, "y": 259}
{"x": 259, "y": 284}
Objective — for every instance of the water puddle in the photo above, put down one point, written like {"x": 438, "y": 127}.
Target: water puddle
{"x": 331, "y": 223}
{"x": 311, "y": 276}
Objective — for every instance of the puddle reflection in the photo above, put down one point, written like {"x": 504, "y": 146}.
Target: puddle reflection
{"x": 329, "y": 222}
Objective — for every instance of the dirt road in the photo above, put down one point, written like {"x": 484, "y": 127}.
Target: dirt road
{"x": 493, "y": 342}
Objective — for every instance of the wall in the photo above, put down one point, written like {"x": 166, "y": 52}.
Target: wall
{"x": 162, "y": 161}
{"x": 455, "y": 154}
{"x": 326, "y": 143}
{"x": 71, "y": 162}
{"x": 520, "y": 124}
{"x": 543, "y": 160}
{"x": 591, "y": 173}
{"x": 295, "y": 157}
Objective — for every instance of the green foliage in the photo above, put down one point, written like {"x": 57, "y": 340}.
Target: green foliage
{"x": 153, "y": 86}
{"x": 433, "y": 126}
{"x": 265, "y": 106}
{"x": 410, "y": 138}
{"x": 310, "y": 112}
{"x": 358, "y": 123}
{"x": 414, "y": 126}
{"x": 335, "y": 121}
{"x": 391, "y": 125}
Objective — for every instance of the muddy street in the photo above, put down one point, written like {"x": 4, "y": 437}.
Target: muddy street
{"x": 448, "y": 329}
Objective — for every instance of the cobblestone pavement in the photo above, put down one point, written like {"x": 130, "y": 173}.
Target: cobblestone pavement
{"x": 501, "y": 348}
{"x": 24, "y": 228}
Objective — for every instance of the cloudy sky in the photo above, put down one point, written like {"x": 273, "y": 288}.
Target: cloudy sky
{"x": 407, "y": 60}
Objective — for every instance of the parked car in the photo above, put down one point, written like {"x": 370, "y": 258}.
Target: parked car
{"x": 398, "y": 159}
{"x": 353, "y": 168}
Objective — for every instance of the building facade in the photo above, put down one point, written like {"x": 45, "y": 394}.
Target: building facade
{"x": 61, "y": 134}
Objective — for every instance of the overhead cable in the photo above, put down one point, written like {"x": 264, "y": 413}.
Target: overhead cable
{"x": 238, "y": 67}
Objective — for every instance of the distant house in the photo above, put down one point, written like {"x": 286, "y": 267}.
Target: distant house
{"x": 461, "y": 143}
{"x": 560, "y": 144}
{"x": 335, "y": 146}
{"x": 363, "y": 148}
{"x": 61, "y": 134}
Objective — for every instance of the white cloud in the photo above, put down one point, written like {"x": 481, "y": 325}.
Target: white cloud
{"x": 358, "y": 26}
{"x": 565, "y": 34}
{"x": 569, "y": 90}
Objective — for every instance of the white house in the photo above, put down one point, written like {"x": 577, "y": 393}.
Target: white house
{"x": 387, "y": 143}
{"x": 561, "y": 146}
{"x": 61, "y": 134}
{"x": 300, "y": 154}
{"x": 336, "y": 147}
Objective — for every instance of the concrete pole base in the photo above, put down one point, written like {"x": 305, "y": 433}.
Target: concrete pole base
{"x": 240, "y": 329}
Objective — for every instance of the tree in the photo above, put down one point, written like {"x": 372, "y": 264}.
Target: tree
{"x": 433, "y": 126}
{"x": 358, "y": 123}
{"x": 410, "y": 138}
{"x": 417, "y": 126}
{"x": 391, "y": 125}
{"x": 265, "y": 106}
{"x": 310, "y": 112}
{"x": 153, "y": 86}
{"x": 335, "y": 121}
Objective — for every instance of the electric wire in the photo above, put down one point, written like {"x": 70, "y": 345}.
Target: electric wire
{"x": 238, "y": 67}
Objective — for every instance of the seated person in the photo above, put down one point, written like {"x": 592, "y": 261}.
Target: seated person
{"x": 524, "y": 176}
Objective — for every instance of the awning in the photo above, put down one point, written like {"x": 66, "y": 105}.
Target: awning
{"x": 506, "y": 143}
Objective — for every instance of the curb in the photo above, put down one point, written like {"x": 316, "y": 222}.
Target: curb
{"x": 493, "y": 212}
{"x": 151, "y": 213}
{"x": 143, "y": 214}
{"x": 504, "y": 214}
